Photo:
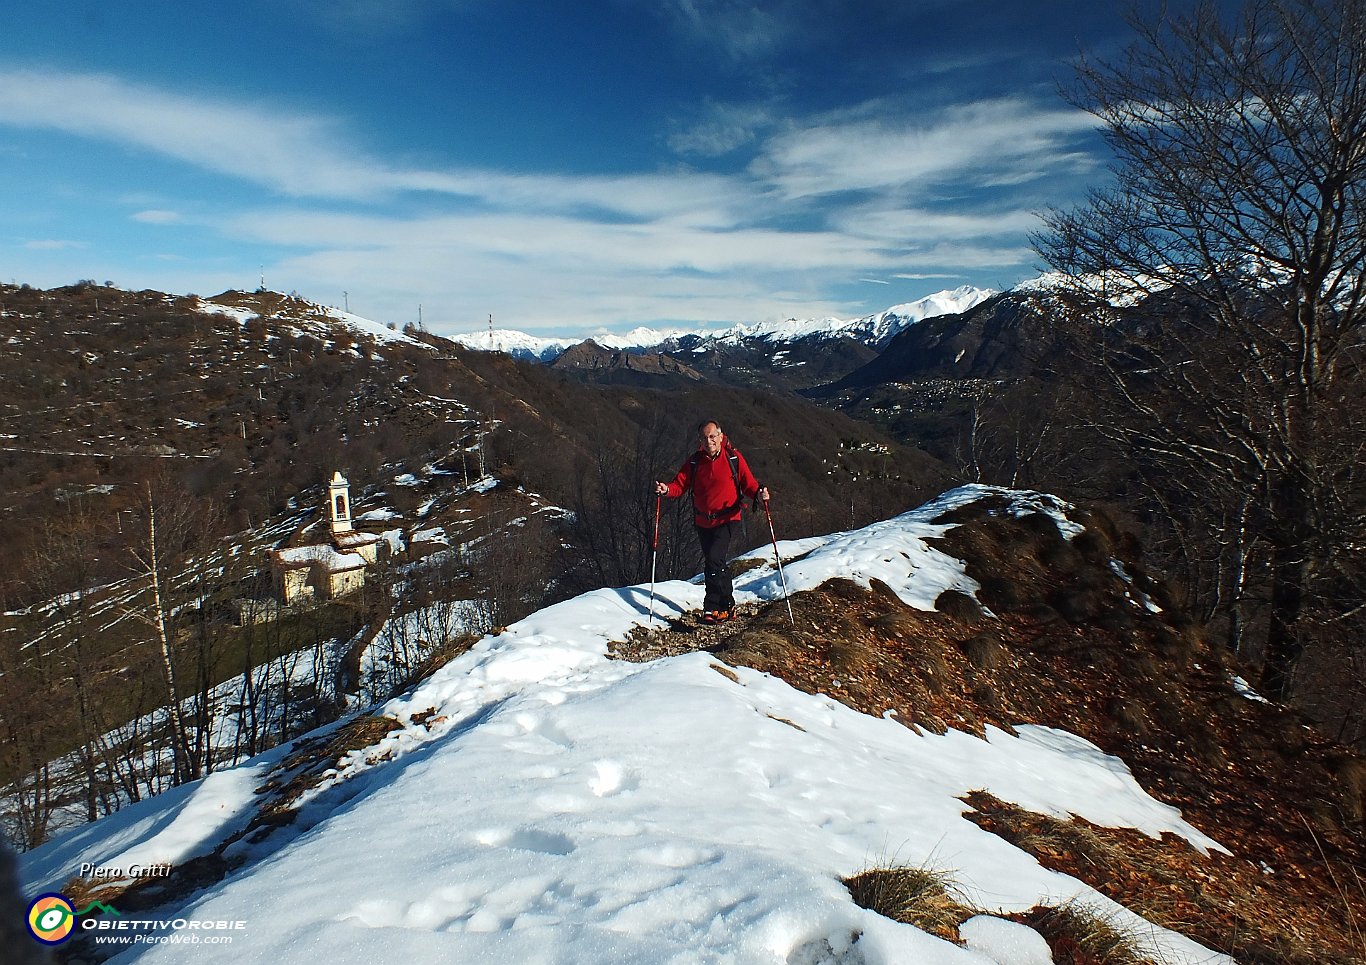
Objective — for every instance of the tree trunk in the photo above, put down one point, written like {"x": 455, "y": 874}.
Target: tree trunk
{"x": 1290, "y": 574}
{"x": 184, "y": 768}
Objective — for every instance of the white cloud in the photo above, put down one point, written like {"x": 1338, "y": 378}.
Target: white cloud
{"x": 157, "y": 216}
{"x": 1002, "y": 141}
{"x": 295, "y": 154}
{"x": 552, "y": 242}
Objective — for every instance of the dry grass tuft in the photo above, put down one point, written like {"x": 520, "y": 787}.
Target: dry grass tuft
{"x": 744, "y": 566}
{"x": 930, "y": 668}
{"x": 921, "y": 897}
{"x": 849, "y": 656}
{"x": 899, "y": 625}
{"x": 841, "y": 588}
{"x": 983, "y": 650}
{"x": 758, "y": 645}
{"x": 1130, "y": 718}
{"x": 1081, "y": 934}
{"x": 958, "y": 606}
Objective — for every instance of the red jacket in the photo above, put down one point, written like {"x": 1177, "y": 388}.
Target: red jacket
{"x": 714, "y": 496}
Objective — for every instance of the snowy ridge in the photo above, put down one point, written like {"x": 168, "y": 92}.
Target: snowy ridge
{"x": 541, "y": 802}
{"x": 320, "y": 316}
{"x": 875, "y": 329}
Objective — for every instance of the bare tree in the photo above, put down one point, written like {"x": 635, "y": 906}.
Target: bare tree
{"x": 1237, "y": 200}
{"x": 181, "y": 567}
{"x": 61, "y": 570}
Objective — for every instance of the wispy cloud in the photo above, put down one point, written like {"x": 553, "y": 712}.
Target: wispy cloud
{"x": 992, "y": 142}
{"x": 890, "y": 222}
{"x": 309, "y": 156}
{"x": 720, "y": 129}
{"x": 738, "y": 28}
{"x": 856, "y": 195}
{"x": 157, "y": 216}
{"x": 295, "y": 154}
{"x": 54, "y": 244}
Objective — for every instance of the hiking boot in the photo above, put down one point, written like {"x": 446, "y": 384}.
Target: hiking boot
{"x": 721, "y": 616}
{"x": 709, "y": 616}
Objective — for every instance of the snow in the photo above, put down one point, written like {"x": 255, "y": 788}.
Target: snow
{"x": 358, "y": 325}
{"x": 543, "y": 803}
{"x": 1245, "y": 689}
{"x": 1005, "y": 941}
{"x": 182, "y": 823}
{"x": 322, "y": 553}
{"x": 514, "y": 343}
{"x": 370, "y": 329}
{"x": 382, "y": 515}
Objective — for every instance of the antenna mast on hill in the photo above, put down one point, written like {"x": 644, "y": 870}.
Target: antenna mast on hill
{"x": 490, "y": 328}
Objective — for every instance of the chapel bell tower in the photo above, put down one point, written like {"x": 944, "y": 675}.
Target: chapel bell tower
{"x": 339, "y": 499}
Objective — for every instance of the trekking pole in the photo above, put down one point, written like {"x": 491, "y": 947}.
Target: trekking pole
{"x": 779, "y": 560}
{"x": 654, "y": 555}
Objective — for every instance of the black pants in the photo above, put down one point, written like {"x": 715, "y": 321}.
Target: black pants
{"x": 715, "y": 542}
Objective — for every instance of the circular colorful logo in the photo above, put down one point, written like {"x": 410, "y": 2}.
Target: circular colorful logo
{"x": 51, "y": 918}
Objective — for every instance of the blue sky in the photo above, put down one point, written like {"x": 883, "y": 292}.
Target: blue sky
{"x": 562, "y": 166}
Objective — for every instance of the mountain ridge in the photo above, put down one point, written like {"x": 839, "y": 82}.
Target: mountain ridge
{"x": 584, "y": 805}
{"x": 874, "y": 329}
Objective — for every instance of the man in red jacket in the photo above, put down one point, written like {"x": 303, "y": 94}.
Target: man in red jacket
{"x": 720, "y": 480}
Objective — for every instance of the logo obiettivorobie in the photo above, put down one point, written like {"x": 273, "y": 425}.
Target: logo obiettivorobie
{"x": 51, "y": 918}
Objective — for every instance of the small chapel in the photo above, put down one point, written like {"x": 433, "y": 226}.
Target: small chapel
{"x": 330, "y": 569}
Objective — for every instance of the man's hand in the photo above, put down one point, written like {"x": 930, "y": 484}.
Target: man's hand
{"x": 661, "y": 489}
{"x": 763, "y": 494}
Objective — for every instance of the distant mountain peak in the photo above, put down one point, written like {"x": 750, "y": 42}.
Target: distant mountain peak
{"x": 875, "y": 329}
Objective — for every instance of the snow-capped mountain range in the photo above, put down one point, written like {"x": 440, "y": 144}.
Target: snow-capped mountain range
{"x": 875, "y": 329}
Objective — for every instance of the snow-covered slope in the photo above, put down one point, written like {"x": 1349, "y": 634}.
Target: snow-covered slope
{"x": 874, "y": 329}
{"x": 306, "y": 316}
{"x": 539, "y": 802}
